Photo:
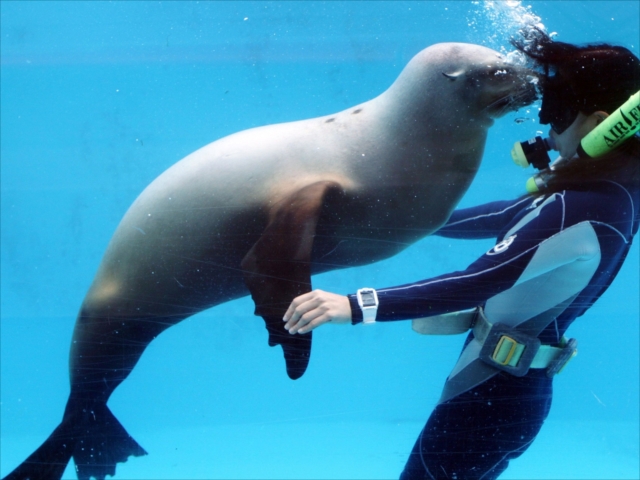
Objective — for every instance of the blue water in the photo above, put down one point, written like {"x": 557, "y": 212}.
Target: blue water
{"x": 99, "y": 98}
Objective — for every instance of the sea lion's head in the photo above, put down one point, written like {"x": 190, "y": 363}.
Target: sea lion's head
{"x": 464, "y": 81}
{"x": 489, "y": 82}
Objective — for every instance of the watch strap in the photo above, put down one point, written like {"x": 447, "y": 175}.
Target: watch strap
{"x": 369, "y": 314}
{"x": 356, "y": 313}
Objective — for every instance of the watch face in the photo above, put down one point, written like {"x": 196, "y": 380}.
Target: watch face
{"x": 368, "y": 299}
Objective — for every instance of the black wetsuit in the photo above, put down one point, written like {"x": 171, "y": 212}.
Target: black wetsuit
{"x": 546, "y": 246}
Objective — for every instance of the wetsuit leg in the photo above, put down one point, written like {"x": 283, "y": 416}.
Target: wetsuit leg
{"x": 477, "y": 433}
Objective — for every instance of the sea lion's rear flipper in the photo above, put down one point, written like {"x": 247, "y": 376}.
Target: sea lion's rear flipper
{"x": 278, "y": 268}
{"x": 48, "y": 462}
{"x": 91, "y": 435}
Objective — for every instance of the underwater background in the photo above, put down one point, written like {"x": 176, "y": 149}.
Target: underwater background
{"x": 99, "y": 98}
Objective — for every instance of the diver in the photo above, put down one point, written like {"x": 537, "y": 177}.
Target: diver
{"x": 558, "y": 249}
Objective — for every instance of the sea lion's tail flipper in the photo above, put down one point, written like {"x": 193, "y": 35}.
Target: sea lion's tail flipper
{"x": 101, "y": 442}
{"x": 92, "y": 436}
{"x": 49, "y": 461}
{"x": 278, "y": 268}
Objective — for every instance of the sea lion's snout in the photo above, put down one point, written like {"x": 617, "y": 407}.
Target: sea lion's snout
{"x": 518, "y": 89}
{"x": 527, "y": 93}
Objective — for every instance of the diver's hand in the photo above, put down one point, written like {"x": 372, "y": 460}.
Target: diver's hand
{"x": 312, "y": 309}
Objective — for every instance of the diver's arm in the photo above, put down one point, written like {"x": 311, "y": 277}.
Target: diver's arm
{"x": 486, "y": 277}
{"x": 492, "y": 273}
{"x": 495, "y": 271}
{"x": 482, "y": 221}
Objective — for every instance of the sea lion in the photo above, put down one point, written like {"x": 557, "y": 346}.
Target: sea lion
{"x": 262, "y": 210}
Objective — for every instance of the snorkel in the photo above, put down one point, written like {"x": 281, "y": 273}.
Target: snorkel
{"x": 618, "y": 127}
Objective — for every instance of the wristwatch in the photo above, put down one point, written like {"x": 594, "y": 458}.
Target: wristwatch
{"x": 368, "y": 301}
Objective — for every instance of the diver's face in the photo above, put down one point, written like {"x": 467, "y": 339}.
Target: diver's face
{"x": 567, "y": 142}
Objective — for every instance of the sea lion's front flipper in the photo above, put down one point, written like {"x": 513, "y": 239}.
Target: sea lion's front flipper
{"x": 278, "y": 268}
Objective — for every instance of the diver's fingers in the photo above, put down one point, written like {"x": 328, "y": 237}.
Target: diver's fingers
{"x": 326, "y": 307}
{"x": 300, "y": 306}
{"x": 310, "y": 320}
{"x": 293, "y": 313}
{"x": 305, "y": 311}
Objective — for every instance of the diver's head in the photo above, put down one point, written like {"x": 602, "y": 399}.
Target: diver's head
{"x": 580, "y": 86}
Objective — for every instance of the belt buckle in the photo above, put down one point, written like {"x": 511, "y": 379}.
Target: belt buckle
{"x": 509, "y": 350}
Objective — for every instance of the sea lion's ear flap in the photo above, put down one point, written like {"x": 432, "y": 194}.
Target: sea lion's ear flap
{"x": 278, "y": 267}
{"x": 453, "y": 75}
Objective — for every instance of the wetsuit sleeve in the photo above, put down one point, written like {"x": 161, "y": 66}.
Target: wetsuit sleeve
{"x": 494, "y": 272}
{"x": 482, "y": 221}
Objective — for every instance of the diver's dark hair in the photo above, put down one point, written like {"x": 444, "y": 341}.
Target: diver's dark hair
{"x": 601, "y": 76}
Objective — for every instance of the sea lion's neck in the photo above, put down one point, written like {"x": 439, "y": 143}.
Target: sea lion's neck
{"x": 419, "y": 113}
{"x": 444, "y": 134}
